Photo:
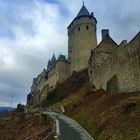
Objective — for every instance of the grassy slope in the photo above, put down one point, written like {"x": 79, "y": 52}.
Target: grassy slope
{"x": 104, "y": 116}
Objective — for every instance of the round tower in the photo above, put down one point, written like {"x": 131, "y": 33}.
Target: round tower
{"x": 81, "y": 39}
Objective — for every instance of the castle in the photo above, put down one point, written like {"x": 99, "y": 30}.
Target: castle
{"x": 113, "y": 67}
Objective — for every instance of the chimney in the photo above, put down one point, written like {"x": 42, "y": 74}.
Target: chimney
{"x": 105, "y": 32}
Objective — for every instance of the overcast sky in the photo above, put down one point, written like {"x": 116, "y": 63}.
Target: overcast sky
{"x": 31, "y": 30}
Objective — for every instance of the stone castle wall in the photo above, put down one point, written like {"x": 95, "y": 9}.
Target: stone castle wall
{"x": 62, "y": 71}
{"x": 42, "y": 85}
{"x": 120, "y": 72}
{"x": 36, "y": 88}
{"x": 98, "y": 56}
{"x": 57, "y": 75}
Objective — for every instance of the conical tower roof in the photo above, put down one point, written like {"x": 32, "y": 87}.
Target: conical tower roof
{"x": 83, "y": 12}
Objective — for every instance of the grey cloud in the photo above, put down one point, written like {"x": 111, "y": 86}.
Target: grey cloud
{"x": 121, "y": 17}
{"x": 12, "y": 16}
{"x": 7, "y": 91}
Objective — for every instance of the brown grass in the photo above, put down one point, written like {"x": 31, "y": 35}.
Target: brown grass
{"x": 105, "y": 116}
{"x": 18, "y": 126}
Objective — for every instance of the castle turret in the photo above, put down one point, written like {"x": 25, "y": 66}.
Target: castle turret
{"x": 81, "y": 39}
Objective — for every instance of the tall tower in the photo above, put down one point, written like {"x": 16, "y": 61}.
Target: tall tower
{"x": 81, "y": 39}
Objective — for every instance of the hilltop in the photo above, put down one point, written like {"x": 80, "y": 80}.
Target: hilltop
{"x": 105, "y": 116}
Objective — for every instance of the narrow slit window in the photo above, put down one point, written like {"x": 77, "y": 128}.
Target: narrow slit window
{"x": 78, "y": 28}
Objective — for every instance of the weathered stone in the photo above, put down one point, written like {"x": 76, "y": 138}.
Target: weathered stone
{"x": 123, "y": 64}
{"x": 81, "y": 39}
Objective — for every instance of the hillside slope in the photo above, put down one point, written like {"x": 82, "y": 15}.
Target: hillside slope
{"x": 19, "y": 126}
{"x": 104, "y": 116}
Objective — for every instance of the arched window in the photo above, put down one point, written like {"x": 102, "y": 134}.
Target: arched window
{"x": 87, "y": 27}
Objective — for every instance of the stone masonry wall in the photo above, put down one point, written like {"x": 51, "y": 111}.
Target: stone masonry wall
{"x": 120, "y": 72}
{"x": 42, "y": 86}
{"x": 81, "y": 39}
{"x": 98, "y": 56}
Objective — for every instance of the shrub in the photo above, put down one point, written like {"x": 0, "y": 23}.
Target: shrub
{"x": 20, "y": 108}
{"x": 51, "y": 95}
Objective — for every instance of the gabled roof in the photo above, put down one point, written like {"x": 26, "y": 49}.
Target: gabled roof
{"x": 83, "y": 12}
{"x": 136, "y": 36}
{"x": 107, "y": 39}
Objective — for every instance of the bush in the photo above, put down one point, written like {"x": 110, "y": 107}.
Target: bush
{"x": 59, "y": 93}
{"x": 20, "y": 108}
{"x": 51, "y": 95}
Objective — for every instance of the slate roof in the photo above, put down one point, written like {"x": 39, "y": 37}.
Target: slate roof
{"x": 107, "y": 39}
{"x": 53, "y": 59}
{"x": 83, "y": 12}
{"x": 62, "y": 58}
